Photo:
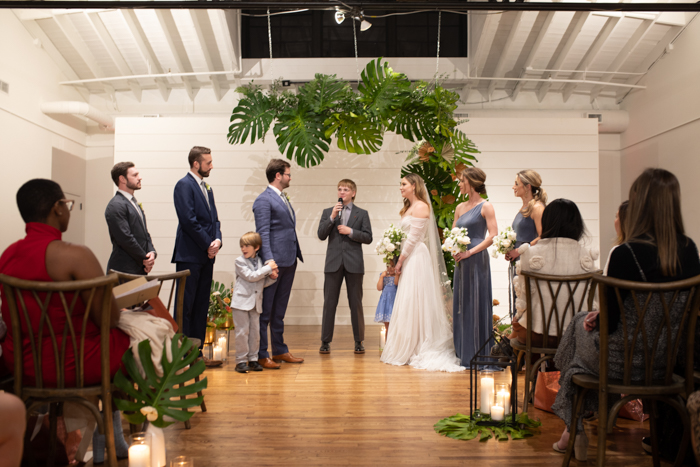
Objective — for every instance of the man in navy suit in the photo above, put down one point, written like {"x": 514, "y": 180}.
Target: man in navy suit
{"x": 198, "y": 240}
{"x": 275, "y": 221}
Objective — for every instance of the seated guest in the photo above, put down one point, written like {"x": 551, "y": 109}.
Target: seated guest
{"x": 620, "y": 217}
{"x": 559, "y": 253}
{"x": 43, "y": 256}
{"x": 656, "y": 250}
{"x": 14, "y": 421}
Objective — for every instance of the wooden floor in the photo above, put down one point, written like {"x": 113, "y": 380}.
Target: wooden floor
{"x": 347, "y": 409}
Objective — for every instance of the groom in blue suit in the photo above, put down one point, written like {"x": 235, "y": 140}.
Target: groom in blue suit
{"x": 275, "y": 221}
{"x": 198, "y": 240}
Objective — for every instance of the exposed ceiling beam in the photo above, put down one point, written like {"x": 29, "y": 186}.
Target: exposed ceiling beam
{"x": 56, "y": 56}
{"x": 108, "y": 42}
{"x": 500, "y": 66}
{"x": 533, "y": 51}
{"x": 623, "y": 55}
{"x": 172, "y": 35}
{"x": 230, "y": 21}
{"x": 559, "y": 56}
{"x": 146, "y": 51}
{"x": 591, "y": 53}
{"x": 210, "y": 51}
{"x": 481, "y": 49}
{"x": 454, "y": 5}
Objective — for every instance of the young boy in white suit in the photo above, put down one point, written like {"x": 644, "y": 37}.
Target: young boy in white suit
{"x": 246, "y": 301}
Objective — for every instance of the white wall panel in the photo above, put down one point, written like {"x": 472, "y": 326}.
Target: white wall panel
{"x": 563, "y": 151}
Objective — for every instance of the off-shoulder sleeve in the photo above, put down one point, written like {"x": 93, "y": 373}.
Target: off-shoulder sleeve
{"x": 415, "y": 235}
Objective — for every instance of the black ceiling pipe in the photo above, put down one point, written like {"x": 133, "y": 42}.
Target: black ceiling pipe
{"x": 385, "y": 6}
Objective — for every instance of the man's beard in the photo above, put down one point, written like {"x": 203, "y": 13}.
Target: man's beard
{"x": 133, "y": 186}
{"x": 202, "y": 173}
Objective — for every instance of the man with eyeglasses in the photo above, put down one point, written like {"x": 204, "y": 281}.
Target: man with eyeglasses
{"x": 132, "y": 248}
{"x": 275, "y": 221}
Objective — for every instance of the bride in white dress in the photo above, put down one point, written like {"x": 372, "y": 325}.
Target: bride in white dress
{"x": 420, "y": 333}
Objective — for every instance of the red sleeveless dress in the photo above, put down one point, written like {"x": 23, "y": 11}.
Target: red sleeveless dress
{"x": 26, "y": 259}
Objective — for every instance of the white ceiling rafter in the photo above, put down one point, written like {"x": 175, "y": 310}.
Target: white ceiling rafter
{"x": 574, "y": 29}
{"x": 146, "y": 51}
{"x": 172, "y": 35}
{"x": 501, "y": 64}
{"x": 480, "y": 51}
{"x": 210, "y": 51}
{"x": 533, "y": 51}
{"x": 624, "y": 54}
{"x": 230, "y": 21}
{"x": 591, "y": 54}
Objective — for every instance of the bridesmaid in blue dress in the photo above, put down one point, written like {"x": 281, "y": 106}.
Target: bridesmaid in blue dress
{"x": 473, "y": 303}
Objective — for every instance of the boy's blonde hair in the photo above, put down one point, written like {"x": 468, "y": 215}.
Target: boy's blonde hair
{"x": 347, "y": 183}
{"x": 251, "y": 238}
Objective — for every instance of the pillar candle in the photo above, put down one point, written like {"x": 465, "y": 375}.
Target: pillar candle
{"x": 382, "y": 338}
{"x": 486, "y": 394}
{"x": 139, "y": 456}
{"x": 503, "y": 399}
{"x": 497, "y": 413}
{"x": 217, "y": 352}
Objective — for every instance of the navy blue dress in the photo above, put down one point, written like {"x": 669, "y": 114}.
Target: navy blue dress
{"x": 473, "y": 298}
{"x": 525, "y": 231}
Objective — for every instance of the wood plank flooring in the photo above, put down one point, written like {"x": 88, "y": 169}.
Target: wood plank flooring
{"x": 347, "y": 409}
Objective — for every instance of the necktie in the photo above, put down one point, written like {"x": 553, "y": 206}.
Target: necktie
{"x": 289, "y": 206}
{"x": 138, "y": 208}
{"x": 204, "y": 190}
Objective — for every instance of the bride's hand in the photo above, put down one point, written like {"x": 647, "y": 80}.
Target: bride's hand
{"x": 399, "y": 263}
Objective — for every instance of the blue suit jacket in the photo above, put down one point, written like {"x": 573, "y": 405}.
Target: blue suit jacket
{"x": 199, "y": 225}
{"x": 277, "y": 229}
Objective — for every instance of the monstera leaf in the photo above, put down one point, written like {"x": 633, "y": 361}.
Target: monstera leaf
{"x": 355, "y": 133}
{"x": 413, "y": 120}
{"x": 156, "y": 391}
{"x": 463, "y": 147}
{"x": 382, "y": 90}
{"x": 301, "y": 135}
{"x": 442, "y": 103}
{"x": 324, "y": 92}
{"x": 251, "y": 117}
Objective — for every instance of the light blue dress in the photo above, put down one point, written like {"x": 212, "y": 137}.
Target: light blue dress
{"x": 473, "y": 298}
{"x": 386, "y": 301}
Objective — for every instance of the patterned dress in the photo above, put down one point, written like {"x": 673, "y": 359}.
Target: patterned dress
{"x": 386, "y": 301}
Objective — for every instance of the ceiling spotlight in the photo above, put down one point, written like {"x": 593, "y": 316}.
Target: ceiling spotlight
{"x": 339, "y": 16}
{"x": 365, "y": 25}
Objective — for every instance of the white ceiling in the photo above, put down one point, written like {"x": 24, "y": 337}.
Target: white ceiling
{"x": 582, "y": 52}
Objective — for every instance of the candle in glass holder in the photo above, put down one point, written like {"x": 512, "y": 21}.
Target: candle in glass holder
{"x": 223, "y": 345}
{"x": 486, "y": 391}
{"x": 217, "y": 352}
{"x": 140, "y": 450}
{"x": 182, "y": 461}
{"x": 503, "y": 397}
{"x": 497, "y": 414}
{"x": 382, "y": 338}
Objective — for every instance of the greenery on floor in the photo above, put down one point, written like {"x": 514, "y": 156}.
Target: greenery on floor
{"x": 464, "y": 427}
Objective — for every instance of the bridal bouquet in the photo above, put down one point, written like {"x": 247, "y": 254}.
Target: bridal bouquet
{"x": 456, "y": 240}
{"x": 389, "y": 245}
{"x": 504, "y": 242}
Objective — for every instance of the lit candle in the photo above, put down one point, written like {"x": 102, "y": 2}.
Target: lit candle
{"x": 382, "y": 338}
{"x": 222, "y": 344}
{"x": 497, "y": 413}
{"x": 217, "y": 352}
{"x": 503, "y": 399}
{"x": 486, "y": 393}
{"x": 139, "y": 455}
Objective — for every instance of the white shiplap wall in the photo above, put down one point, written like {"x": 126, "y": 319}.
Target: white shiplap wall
{"x": 564, "y": 151}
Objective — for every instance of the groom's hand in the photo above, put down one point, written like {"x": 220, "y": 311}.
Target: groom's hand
{"x": 344, "y": 230}
{"x": 336, "y": 209}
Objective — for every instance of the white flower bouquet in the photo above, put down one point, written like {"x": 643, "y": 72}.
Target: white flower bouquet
{"x": 389, "y": 246}
{"x": 456, "y": 240}
{"x": 503, "y": 242}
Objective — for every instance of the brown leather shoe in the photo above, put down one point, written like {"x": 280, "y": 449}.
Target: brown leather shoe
{"x": 287, "y": 357}
{"x": 268, "y": 364}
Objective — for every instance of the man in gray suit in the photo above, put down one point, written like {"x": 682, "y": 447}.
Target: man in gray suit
{"x": 132, "y": 248}
{"x": 347, "y": 227}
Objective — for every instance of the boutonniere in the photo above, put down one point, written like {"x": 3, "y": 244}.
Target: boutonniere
{"x": 286, "y": 195}
{"x": 207, "y": 185}
{"x": 141, "y": 206}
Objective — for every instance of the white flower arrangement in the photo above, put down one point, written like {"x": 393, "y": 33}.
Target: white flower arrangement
{"x": 456, "y": 240}
{"x": 389, "y": 245}
{"x": 504, "y": 242}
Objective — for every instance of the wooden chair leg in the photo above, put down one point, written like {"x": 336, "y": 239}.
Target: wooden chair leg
{"x": 603, "y": 415}
{"x": 53, "y": 433}
{"x": 528, "y": 369}
{"x": 203, "y": 406}
{"x": 577, "y": 406}
{"x": 111, "y": 452}
{"x": 654, "y": 436}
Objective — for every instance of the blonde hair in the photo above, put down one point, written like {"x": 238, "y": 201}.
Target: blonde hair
{"x": 476, "y": 179}
{"x": 251, "y": 238}
{"x": 532, "y": 178}
{"x": 347, "y": 183}
{"x": 420, "y": 191}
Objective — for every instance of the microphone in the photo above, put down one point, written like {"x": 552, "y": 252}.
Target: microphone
{"x": 337, "y": 219}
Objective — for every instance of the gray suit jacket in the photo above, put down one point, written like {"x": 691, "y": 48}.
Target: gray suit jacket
{"x": 131, "y": 241}
{"x": 343, "y": 250}
{"x": 248, "y": 291}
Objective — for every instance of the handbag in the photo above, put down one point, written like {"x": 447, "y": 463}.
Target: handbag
{"x": 546, "y": 389}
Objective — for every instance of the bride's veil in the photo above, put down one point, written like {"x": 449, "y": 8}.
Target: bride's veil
{"x": 438, "y": 260}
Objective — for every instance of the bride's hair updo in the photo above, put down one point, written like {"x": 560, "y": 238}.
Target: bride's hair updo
{"x": 476, "y": 179}
{"x": 420, "y": 191}
{"x": 532, "y": 178}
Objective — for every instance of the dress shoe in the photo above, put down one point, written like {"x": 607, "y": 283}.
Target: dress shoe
{"x": 269, "y": 364}
{"x": 325, "y": 348}
{"x": 287, "y": 357}
{"x": 254, "y": 366}
{"x": 359, "y": 348}
{"x": 242, "y": 367}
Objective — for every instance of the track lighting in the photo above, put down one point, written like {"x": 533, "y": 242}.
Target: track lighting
{"x": 339, "y": 16}
{"x": 365, "y": 25}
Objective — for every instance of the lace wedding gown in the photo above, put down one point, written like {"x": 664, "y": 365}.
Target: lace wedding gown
{"x": 420, "y": 334}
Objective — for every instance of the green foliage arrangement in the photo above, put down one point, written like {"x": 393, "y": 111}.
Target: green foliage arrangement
{"x": 155, "y": 393}
{"x": 465, "y": 427}
{"x": 219, "y": 312}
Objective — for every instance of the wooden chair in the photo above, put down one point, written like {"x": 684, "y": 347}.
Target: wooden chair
{"x": 178, "y": 283}
{"x": 21, "y": 296}
{"x": 679, "y": 303}
{"x": 545, "y": 291}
